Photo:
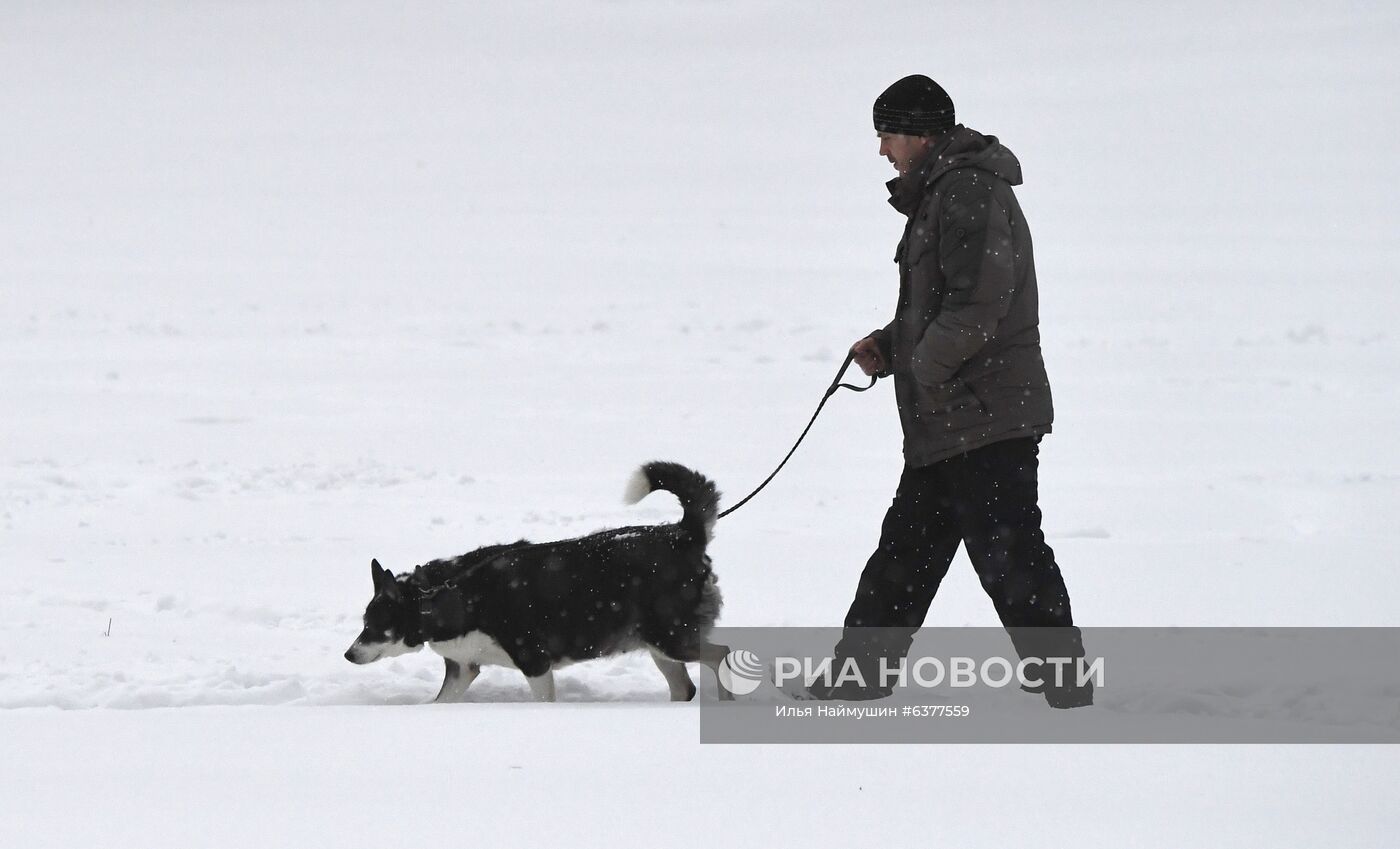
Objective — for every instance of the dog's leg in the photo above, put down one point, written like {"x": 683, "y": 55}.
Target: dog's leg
{"x": 542, "y": 686}
{"x": 451, "y": 672}
{"x": 677, "y": 678}
{"x": 468, "y": 676}
{"x": 456, "y": 679}
{"x": 711, "y": 654}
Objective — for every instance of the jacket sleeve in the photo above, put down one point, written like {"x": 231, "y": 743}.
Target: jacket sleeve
{"x": 882, "y": 341}
{"x": 976, "y": 257}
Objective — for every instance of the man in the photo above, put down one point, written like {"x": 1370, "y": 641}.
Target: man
{"x": 973, "y": 397}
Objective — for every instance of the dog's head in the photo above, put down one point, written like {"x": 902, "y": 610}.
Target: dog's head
{"x": 390, "y": 621}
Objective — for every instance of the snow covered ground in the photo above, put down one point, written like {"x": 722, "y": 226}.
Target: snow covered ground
{"x": 290, "y": 286}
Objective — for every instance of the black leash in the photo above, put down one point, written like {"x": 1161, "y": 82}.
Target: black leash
{"x": 830, "y": 390}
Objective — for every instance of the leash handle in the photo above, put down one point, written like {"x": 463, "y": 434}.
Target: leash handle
{"x": 837, "y": 384}
{"x": 830, "y": 390}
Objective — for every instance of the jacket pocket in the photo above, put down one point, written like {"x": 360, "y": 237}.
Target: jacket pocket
{"x": 952, "y": 396}
{"x": 922, "y": 249}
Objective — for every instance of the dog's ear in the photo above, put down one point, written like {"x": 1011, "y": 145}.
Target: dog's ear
{"x": 384, "y": 582}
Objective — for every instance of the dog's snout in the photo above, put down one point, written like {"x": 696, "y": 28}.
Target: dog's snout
{"x": 350, "y": 654}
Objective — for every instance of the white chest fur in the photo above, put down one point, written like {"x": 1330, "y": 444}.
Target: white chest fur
{"x": 475, "y": 648}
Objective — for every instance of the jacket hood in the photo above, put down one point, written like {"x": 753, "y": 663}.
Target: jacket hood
{"x": 963, "y": 147}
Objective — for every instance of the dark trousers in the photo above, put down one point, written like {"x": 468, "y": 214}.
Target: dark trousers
{"x": 986, "y": 500}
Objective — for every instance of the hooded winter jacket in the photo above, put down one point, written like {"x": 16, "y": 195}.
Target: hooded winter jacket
{"x": 964, "y": 345}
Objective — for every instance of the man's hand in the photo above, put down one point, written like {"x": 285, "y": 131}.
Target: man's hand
{"x": 868, "y": 356}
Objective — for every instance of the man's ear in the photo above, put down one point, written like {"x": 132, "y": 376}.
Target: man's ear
{"x": 384, "y": 582}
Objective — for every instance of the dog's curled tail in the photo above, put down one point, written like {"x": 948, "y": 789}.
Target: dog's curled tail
{"x": 696, "y": 492}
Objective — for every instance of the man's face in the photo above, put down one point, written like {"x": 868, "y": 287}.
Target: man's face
{"x": 902, "y": 151}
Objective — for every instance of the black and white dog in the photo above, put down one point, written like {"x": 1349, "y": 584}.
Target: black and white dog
{"x": 540, "y": 606}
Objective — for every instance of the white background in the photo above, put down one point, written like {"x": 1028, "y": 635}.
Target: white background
{"x": 288, "y": 286}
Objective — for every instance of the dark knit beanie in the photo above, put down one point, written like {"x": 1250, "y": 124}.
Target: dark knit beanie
{"x": 914, "y": 106}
